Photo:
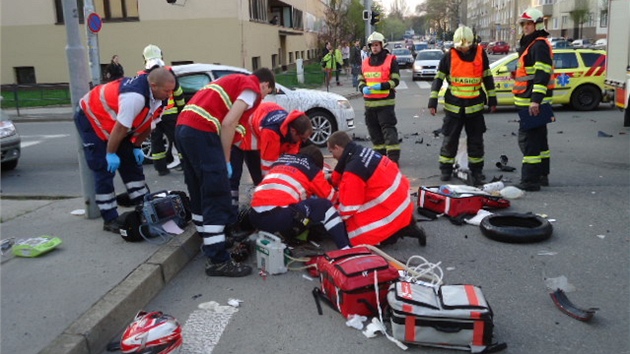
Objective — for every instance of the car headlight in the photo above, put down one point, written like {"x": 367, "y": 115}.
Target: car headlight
{"x": 7, "y": 129}
{"x": 345, "y": 104}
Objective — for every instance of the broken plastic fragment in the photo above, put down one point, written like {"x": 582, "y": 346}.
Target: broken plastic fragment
{"x": 601, "y": 236}
{"x": 78, "y": 212}
{"x": 566, "y": 306}
{"x": 560, "y": 282}
{"x": 356, "y": 321}
{"x": 234, "y": 302}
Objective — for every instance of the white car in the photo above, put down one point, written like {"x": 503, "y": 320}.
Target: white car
{"x": 426, "y": 64}
{"x": 328, "y": 111}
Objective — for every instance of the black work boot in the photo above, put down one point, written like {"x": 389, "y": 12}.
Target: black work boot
{"x": 529, "y": 187}
{"x": 477, "y": 178}
{"x": 544, "y": 181}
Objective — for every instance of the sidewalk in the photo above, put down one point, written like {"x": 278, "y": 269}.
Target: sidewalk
{"x": 75, "y": 299}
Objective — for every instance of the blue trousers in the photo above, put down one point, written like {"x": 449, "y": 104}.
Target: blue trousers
{"x": 252, "y": 160}
{"x": 286, "y": 221}
{"x": 205, "y": 174}
{"x": 131, "y": 173}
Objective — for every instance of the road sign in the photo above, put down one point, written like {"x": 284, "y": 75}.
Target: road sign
{"x": 94, "y": 22}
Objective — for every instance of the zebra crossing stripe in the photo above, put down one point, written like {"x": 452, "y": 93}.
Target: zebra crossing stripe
{"x": 204, "y": 327}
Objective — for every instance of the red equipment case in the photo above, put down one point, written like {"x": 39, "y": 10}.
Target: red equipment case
{"x": 431, "y": 199}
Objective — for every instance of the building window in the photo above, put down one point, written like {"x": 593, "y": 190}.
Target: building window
{"x": 109, "y": 10}
{"x": 255, "y": 63}
{"x": 258, "y": 10}
{"x": 290, "y": 57}
{"x": 274, "y": 60}
{"x": 603, "y": 18}
{"x": 24, "y": 75}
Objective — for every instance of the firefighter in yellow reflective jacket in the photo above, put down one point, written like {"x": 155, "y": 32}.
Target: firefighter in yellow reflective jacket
{"x": 160, "y": 153}
{"x": 466, "y": 68}
{"x": 533, "y": 86}
{"x": 379, "y": 77}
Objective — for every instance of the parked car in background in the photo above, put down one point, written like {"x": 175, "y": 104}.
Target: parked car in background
{"x": 404, "y": 58}
{"x": 328, "y": 111}
{"x": 447, "y": 45}
{"x": 581, "y": 43}
{"x": 426, "y": 64}
{"x": 579, "y": 76}
{"x": 418, "y": 47}
{"x": 10, "y": 142}
{"x": 600, "y": 44}
{"x": 561, "y": 44}
{"x": 499, "y": 47}
{"x": 483, "y": 45}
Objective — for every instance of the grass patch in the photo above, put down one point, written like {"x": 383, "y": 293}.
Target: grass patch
{"x": 35, "y": 97}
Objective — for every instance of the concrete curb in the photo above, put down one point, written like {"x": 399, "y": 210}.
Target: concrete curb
{"x": 93, "y": 330}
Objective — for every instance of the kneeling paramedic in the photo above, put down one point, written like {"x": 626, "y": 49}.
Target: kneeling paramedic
{"x": 295, "y": 195}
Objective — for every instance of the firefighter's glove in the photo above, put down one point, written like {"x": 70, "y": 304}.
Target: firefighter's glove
{"x": 377, "y": 86}
{"x": 139, "y": 155}
{"x": 229, "y": 169}
{"x": 366, "y": 90}
{"x": 113, "y": 162}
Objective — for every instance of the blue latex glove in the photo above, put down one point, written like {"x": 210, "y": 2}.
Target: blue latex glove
{"x": 376, "y": 87}
{"x": 113, "y": 162}
{"x": 366, "y": 90}
{"x": 139, "y": 155}
{"x": 229, "y": 169}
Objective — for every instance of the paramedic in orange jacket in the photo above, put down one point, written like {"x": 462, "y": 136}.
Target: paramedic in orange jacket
{"x": 204, "y": 136}
{"x": 271, "y": 132}
{"x": 374, "y": 198}
{"x": 296, "y": 195}
{"x": 113, "y": 121}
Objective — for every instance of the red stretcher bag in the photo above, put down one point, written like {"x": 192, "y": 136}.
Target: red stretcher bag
{"x": 431, "y": 199}
{"x": 347, "y": 281}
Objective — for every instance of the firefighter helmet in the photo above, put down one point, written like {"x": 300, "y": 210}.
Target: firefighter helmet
{"x": 376, "y": 37}
{"x": 152, "y": 56}
{"x": 535, "y": 16}
{"x": 463, "y": 37}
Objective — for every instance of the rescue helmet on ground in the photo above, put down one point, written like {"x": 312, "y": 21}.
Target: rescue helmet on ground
{"x": 463, "y": 37}
{"x": 376, "y": 37}
{"x": 152, "y": 333}
{"x": 535, "y": 16}
{"x": 152, "y": 56}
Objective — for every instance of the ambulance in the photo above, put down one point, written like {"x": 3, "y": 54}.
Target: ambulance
{"x": 579, "y": 75}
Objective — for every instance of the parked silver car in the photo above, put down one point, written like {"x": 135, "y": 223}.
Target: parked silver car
{"x": 426, "y": 64}
{"x": 10, "y": 142}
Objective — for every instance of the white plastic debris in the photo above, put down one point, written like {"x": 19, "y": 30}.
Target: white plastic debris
{"x": 561, "y": 283}
{"x": 476, "y": 220}
{"x": 234, "y": 302}
{"x": 601, "y": 236}
{"x": 547, "y": 253}
{"x": 374, "y": 327}
{"x": 356, "y": 321}
{"x": 511, "y": 192}
{"x": 78, "y": 212}
{"x": 307, "y": 277}
{"x": 214, "y": 306}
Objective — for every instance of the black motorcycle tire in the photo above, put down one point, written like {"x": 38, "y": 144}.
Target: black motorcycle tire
{"x": 516, "y": 227}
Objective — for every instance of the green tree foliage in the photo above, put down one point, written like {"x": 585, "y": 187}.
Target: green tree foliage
{"x": 580, "y": 14}
{"x": 441, "y": 15}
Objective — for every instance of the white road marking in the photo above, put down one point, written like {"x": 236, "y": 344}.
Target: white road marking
{"x": 424, "y": 84}
{"x": 32, "y": 140}
{"x": 203, "y": 330}
{"x": 402, "y": 85}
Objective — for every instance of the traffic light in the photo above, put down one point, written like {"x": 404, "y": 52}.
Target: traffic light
{"x": 376, "y": 17}
{"x": 366, "y": 15}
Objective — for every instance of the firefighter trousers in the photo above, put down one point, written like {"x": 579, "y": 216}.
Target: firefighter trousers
{"x": 475, "y": 127}
{"x": 205, "y": 175}
{"x": 536, "y": 154}
{"x": 160, "y": 148}
{"x": 381, "y": 123}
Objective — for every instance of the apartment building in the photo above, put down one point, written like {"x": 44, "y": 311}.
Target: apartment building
{"x": 244, "y": 33}
{"x": 496, "y": 20}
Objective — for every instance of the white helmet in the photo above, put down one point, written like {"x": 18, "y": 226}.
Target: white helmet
{"x": 535, "y": 16}
{"x": 152, "y": 56}
{"x": 463, "y": 37}
{"x": 376, "y": 37}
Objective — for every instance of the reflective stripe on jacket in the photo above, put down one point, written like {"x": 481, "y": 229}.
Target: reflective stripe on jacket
{"x": 466, "y": 76}
{"x": 208, "y": 107}
{"x": 374, "y": 196}
{"x": 524, "y": 78}
{"x": 293, "y": 178}
{"x": 377, "y": 74}
{"x": 101, "y": 105}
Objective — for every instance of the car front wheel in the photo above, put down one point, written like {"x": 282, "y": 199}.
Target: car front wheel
{"x": 323, "y": 126}
{"x": 586, "y": 98}
{"x": 9, "y": 165}
{"x": 147, "y": 151}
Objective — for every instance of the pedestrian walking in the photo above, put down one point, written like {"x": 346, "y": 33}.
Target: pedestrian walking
{"x": 355, "y": 63}
{"x": 204, "y": 135}
{"x": 113, "y": 121}
{"x": 466, "y": 69}
{"x": 378, "y": 80}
